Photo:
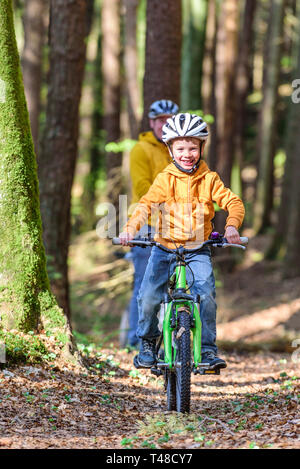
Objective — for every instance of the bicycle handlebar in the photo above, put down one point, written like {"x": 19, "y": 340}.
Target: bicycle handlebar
{"x": 220, "y": 243}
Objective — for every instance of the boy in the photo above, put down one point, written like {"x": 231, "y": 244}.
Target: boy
{"x": 184, "y": 191}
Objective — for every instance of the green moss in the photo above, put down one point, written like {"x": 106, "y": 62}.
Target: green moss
{"x": 24, "y": 286}
{"x": 21, "y": 348}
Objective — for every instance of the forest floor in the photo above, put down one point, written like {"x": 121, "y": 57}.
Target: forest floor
{"x": 253, "y": 403}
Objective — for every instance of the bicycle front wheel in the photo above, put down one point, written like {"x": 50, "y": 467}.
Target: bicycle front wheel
{"x": 171, "y": 390}
{"x": 183, "y": 362}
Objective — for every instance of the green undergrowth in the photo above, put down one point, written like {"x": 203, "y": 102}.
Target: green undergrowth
{"x": 27, "y": 348}
{"x": 22, "y": 348}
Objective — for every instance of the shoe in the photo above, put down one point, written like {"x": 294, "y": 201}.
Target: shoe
{"x": 210, "y": 359}
{"x": 146, "y": 358}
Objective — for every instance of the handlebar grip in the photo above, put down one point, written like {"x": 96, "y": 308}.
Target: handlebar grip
{"x": 116, "y": 241}
{"x": 244, "y": 239}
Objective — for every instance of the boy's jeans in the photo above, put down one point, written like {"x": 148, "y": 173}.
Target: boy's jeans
{"x": 140, "y": 258}
{"x": 154, "y": 285}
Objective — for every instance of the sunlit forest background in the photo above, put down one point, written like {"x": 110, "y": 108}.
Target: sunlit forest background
{"x": 91, "y": 68}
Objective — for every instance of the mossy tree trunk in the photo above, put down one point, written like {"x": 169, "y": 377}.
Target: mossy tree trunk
{"x": 26, "y": 302}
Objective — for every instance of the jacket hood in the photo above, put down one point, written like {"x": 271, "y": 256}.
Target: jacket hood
{"x": 201, "y": 171}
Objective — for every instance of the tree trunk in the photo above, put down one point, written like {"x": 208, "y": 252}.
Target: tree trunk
{"x": 209, "y": 80}
{"x": 288, "y": 227}
{"x": 226, "y": 54}
{"x": 111, "y": 69}
{"x": 267, "y": 122}
{"x": 97, "y": 157}
{"x": 194, "y": 21}
{"x": 35, "y": 22}
{"x": 163, "y": 54}
{"x": 59, "y": 147}
{"x": 226, "y": 58}
{"x": 25, "y": 297}
{"x": 242, "y": 86}
{"x": 131, "y": 66}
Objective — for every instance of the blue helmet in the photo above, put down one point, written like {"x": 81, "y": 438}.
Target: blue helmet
{"x": 162, "y": 107}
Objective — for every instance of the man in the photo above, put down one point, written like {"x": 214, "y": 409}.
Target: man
{"x": 147, "y": 159}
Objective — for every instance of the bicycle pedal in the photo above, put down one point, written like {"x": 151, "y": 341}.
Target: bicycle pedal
{"x": 155, "y": 371}
{"x": 215, "y": 371}
{"x": 206, "y": 371}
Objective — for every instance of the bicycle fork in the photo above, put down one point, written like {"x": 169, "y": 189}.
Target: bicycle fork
{"x": 169, "y": 327}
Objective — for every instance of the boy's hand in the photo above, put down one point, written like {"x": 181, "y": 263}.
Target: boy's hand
{"x": 125, "y": 238}
{"x": 232, "y": 235}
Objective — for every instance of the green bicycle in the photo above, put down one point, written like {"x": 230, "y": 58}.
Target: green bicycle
{"x": 178, "y": 349}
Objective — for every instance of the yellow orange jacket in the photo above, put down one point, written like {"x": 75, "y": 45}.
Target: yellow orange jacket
{"x": 147, "y": 159}
{"x": 186, "y": 206}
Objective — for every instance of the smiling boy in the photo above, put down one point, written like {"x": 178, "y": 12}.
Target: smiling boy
{"x": 184, "y": 193}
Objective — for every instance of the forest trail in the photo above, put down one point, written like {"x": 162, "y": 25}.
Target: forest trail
{"x": 254, "y": 403}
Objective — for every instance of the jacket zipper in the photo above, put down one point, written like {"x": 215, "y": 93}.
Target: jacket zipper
{"x": 189, "y": 205}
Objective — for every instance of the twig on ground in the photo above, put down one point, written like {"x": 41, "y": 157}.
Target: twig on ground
{"x": 217, "y": 421}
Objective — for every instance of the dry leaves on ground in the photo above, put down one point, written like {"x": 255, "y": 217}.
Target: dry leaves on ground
{"x": 254, "y": 403}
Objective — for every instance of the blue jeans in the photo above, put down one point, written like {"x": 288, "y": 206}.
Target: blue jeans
{"x": 140, "y": 258}
{"x": 154, "y": 285}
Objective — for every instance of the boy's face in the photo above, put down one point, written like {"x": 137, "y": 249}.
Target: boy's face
{"x": 186, "y": 151}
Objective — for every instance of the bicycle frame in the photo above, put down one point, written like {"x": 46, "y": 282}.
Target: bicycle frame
{"x": 180, "y": 285}
{"x": 183, "y": 300}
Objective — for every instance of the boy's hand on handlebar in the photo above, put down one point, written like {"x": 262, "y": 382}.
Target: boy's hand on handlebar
{"x": 232, "y": 235}
{"x": 125, "y": 238}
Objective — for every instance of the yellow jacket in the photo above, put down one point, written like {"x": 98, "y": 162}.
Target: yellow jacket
{"x": 147, "y": 159}
{"x": 185, "y": 204}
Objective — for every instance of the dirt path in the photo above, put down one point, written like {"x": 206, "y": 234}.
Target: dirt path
{"x": 254, "y": 403}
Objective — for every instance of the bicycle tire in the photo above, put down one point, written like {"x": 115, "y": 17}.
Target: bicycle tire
{"x": 171, "y": 390}
{"x": 183, "y": 356}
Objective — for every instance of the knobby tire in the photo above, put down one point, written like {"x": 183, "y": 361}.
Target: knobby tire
{"x": 183, "y": 356}
{"x": 171, "y": 390}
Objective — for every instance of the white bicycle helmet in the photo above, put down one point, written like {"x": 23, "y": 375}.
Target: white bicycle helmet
{"x": 184, "y": 125}
{"x": 162, "y": 107}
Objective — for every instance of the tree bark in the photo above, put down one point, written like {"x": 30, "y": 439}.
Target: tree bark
{"x": 267, "y": 120}
{"x": 163, "y": 54}
{"x": 35, "y": 22}
{"x": 288, "y": 227}
{"x": 131, "y": 66}
{"x": 59, "y": 146}
{"x": 96, "y": 154}
{"x": 194, "y": 22}
{"x": 242, "y": 85}
{"x": 111, "y": 69}
{"x": 226, "y": 54}
{"x": 209, "y": 80}
{"x": 25, "y": 297}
